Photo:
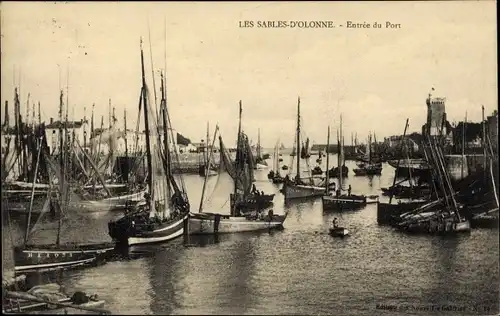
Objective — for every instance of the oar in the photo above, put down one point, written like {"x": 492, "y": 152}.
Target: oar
{"x": 22, "y": 296}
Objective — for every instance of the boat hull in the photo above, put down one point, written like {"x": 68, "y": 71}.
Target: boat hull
{"x": 260, "y": 166}
{"x": 126, "y": 234}
{"x": 367, "y": 172}
{"x": 253, "y": 201}
{"x": 293, "y": 191}
{"x": 207, "y": 223}
{"x": 343, "y": 202}
{"x": 108, "y": 204}
{"x": 338, "y": 232}
{"x": 55, "y": 257}
{"x": 388, "y": 213}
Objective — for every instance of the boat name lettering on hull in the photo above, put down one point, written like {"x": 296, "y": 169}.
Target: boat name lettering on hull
{"x": 50, "y": 254}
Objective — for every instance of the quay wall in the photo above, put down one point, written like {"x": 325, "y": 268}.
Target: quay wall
{"x": 460, "y": 167}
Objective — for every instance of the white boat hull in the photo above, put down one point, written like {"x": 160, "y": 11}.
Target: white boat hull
{"x": 260, "y": 166}
{"x": 107, "y": 204}
{"x": 292, "y": 191}
{"x": 201, "y": 224}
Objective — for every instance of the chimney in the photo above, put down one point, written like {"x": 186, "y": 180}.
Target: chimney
{"x": 51, "y": 120}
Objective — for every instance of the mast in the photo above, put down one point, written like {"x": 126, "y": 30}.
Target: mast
{"x": 484, "y": 138}
{"x": 92, "y": 122}
{"x": 297, "y": 154}
{"x": 61, "y": 162}
{"x": 239, "y": 156}
{"x": 85, "y": 134}
{"x": 39, "y": 114}
{"x": 146, "y": 123}
{"x": 399, "y": 159}
{"x": 463, "y": 144}
{"x": 109, "y": 113}
{"x": 206, "y": 149}
{"x": 327, "y": 161}
{"x": 206, "y": 173}
{"x": 125, "y": 135}
{"x": 258, "y": 143}
{"x": 163, "y": 106}
{"x": 339, "y": 158}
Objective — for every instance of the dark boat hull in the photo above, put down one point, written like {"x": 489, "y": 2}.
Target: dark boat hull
{"x": 126, "y": 233}
{"x": 55, "y": 257}
{"x": 368, "y": 171}
{"x": 334, "y": 172}
{"x": 210, "y": 223}
{"x": 388, "y": 213}
{"x": 338, "y": 232}
{"x": 343, "y": 202}
{"x": 254, "y": 202}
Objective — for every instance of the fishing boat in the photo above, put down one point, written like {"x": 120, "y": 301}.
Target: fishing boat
{"x": 334, "y": 172}
{"x": 163, "y": 216}
{"x": 336, "y": 200}
{"x": 274, "y": 175}
{"x": 206, "y": 166}
{"x": 244, "y": 216}
{"x": 444, "y": 214}
{"x": 417, "y": 167}
{"x": 389, "y": 212}
{"x": 100, "y": 194}
{"x": 297, "y": 187}
{"x": 50, "y": 299}
{"x": 260, "y": 162}
{"x": 368, "y": 168}
{"x": 40, "y": 257}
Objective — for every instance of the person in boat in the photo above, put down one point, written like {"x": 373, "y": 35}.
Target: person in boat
{"x": 335, "y": 223}
{"x": 254, "y": 189}
{"x": 147, "y": 197}
{"x": 349, "y": 190}
{"x": 332, "y": 187}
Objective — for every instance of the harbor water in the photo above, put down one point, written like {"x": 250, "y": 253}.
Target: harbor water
{"x": 300, "y": 270}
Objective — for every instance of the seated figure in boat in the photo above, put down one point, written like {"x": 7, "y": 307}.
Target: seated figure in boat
{"x": 179, "y": 202}
{"x": 298, "y": 181}
{"x": 270, "y": 175}
{"x": 335, "y": 223}
{"x": 254, "y": 190}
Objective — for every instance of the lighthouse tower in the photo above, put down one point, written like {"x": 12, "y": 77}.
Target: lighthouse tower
{"x": 436, "y": 116}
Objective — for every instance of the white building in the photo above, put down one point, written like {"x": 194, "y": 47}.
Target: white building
{"x": 78, "y": 128}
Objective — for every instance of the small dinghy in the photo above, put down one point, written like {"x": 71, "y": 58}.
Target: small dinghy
{"x": 337, "y": 231}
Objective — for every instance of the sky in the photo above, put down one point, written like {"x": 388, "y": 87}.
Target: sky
{"x": 375, "y": 78}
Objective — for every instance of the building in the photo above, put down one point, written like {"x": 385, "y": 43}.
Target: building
{"x": 77, "y": 128}
{"x": 437, "y": 124}
{"x": 396, "y": 142}
{"x": 492, "y": 128}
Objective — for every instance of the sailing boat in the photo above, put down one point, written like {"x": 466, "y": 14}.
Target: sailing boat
{"x": 369, "y": 168}
{"x": 207, "y": 167}
{"x": 337, "y": 200}
{"x": 243, "y": 216}
{"x": 297, "y": 188}
{"x": 260, "y": 162}
{"x": 163, "y": 215}
{"x": 35, "y": 257}
{"x": 274, "y": 174}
